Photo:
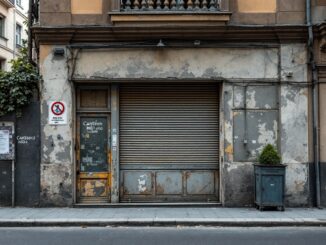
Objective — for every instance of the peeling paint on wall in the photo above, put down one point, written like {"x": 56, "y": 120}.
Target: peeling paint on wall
{"x": 294, "y": 124}
{"x": 228, "y": 122}
{"x": 251, "y": 100}
{"x": 272, "y": 114}
{"x": 238, "y": 97}
{"x": 56, "y": 185}
{"x": 266, "y": 136}
{"x": 238, "y": 184}
{"x": 178, "y": 63}
{"x": 56, "y": 141}
{"x": 255, "y": 120}
{"x": 142, "y": 183}
{"x": 294, "y": 143}
{"x": 297, "y": 184}
{"x": 294, "y": 62}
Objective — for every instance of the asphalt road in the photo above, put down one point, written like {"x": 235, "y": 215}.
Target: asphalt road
{"x": 162, "y": 235}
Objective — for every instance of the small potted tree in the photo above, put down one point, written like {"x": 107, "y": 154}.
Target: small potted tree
{"x": 269, "y": 179}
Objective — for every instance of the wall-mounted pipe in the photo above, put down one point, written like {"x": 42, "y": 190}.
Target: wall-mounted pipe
{"x": 29, "y": 25}
{"x": 315, "y": 98}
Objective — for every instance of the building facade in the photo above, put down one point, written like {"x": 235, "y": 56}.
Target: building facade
{"x": 13, "y": 14}
{"x": 172, "y": 101}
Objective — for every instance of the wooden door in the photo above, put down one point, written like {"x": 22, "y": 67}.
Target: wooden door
{"x": 93, "y": 146}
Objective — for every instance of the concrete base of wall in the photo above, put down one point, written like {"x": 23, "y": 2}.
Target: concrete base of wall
{"x": 323, "y": 184}
{"x": 238, "y": 185}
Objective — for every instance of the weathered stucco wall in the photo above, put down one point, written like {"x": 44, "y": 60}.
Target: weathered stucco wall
{"x": 318, "y": 11}
{"x": 56, "y": 141}
{"x": 294, "y": 143}
{"x": 289, "y": 133}
{"x": 251, "y": 120}
{"x": 257, "y": 6}
{"x": 270, "y": 113}
{"x": 86, "y": 7}
{"x": 294, "y": 123}
{"x": 256, "y": 12}
{"x": 267, "y": 12}
{"x": 178, "y": 63}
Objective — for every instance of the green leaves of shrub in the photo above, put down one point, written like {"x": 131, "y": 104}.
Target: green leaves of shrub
{"x": 269, "y": 155}
{"x": 17, "y": 86}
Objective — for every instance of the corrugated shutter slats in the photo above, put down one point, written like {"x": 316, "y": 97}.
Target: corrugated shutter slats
{"x": 169, "y": 124}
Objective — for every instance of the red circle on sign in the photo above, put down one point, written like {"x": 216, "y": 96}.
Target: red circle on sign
{"x": 58, "y": 108}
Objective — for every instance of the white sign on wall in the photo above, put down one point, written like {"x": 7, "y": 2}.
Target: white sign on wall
{"x": 4, "y": 142}
{"x": 7, "y": 146}
{"x": 57, "y": 113}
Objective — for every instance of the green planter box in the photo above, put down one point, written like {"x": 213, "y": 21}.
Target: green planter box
{"x": 269, "y": 186}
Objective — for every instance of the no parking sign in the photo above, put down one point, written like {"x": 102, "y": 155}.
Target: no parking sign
{"x": 57, "y": 113}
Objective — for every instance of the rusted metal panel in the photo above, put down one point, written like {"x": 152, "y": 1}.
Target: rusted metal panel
{"x": 137, "y": 183}
{"x": 252, "y": 131}
{"x": 201, "y": 183}
{"x": 255, "y": 120}
{"x": 169, "y": 185}
{"x": 256, "y": 97}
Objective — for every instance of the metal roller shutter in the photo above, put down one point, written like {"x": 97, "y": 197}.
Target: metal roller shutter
{"x": 169, "y": 133}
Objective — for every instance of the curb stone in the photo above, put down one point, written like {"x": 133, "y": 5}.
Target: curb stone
{"x": 162, "y": 223}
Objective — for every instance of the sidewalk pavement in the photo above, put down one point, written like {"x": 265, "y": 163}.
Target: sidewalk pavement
{"x": 160, "y": 216}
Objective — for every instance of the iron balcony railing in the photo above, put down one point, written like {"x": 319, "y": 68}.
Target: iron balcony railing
{"x": 170, "y": 5}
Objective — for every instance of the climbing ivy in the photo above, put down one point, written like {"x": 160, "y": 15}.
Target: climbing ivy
{"x": 18, "y": 85}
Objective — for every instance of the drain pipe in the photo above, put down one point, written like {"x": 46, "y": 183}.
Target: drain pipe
{"x": 315, "y": 97}
{"x": 29, "y": 25}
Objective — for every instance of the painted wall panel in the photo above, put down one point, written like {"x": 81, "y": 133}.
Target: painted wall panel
{"x": 86, "y": 7}
{"x": 257, "y": 6}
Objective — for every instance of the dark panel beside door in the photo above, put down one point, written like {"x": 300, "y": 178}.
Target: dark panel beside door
{"x": 28, "y": 157}
{"x": 5, "y": 183}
